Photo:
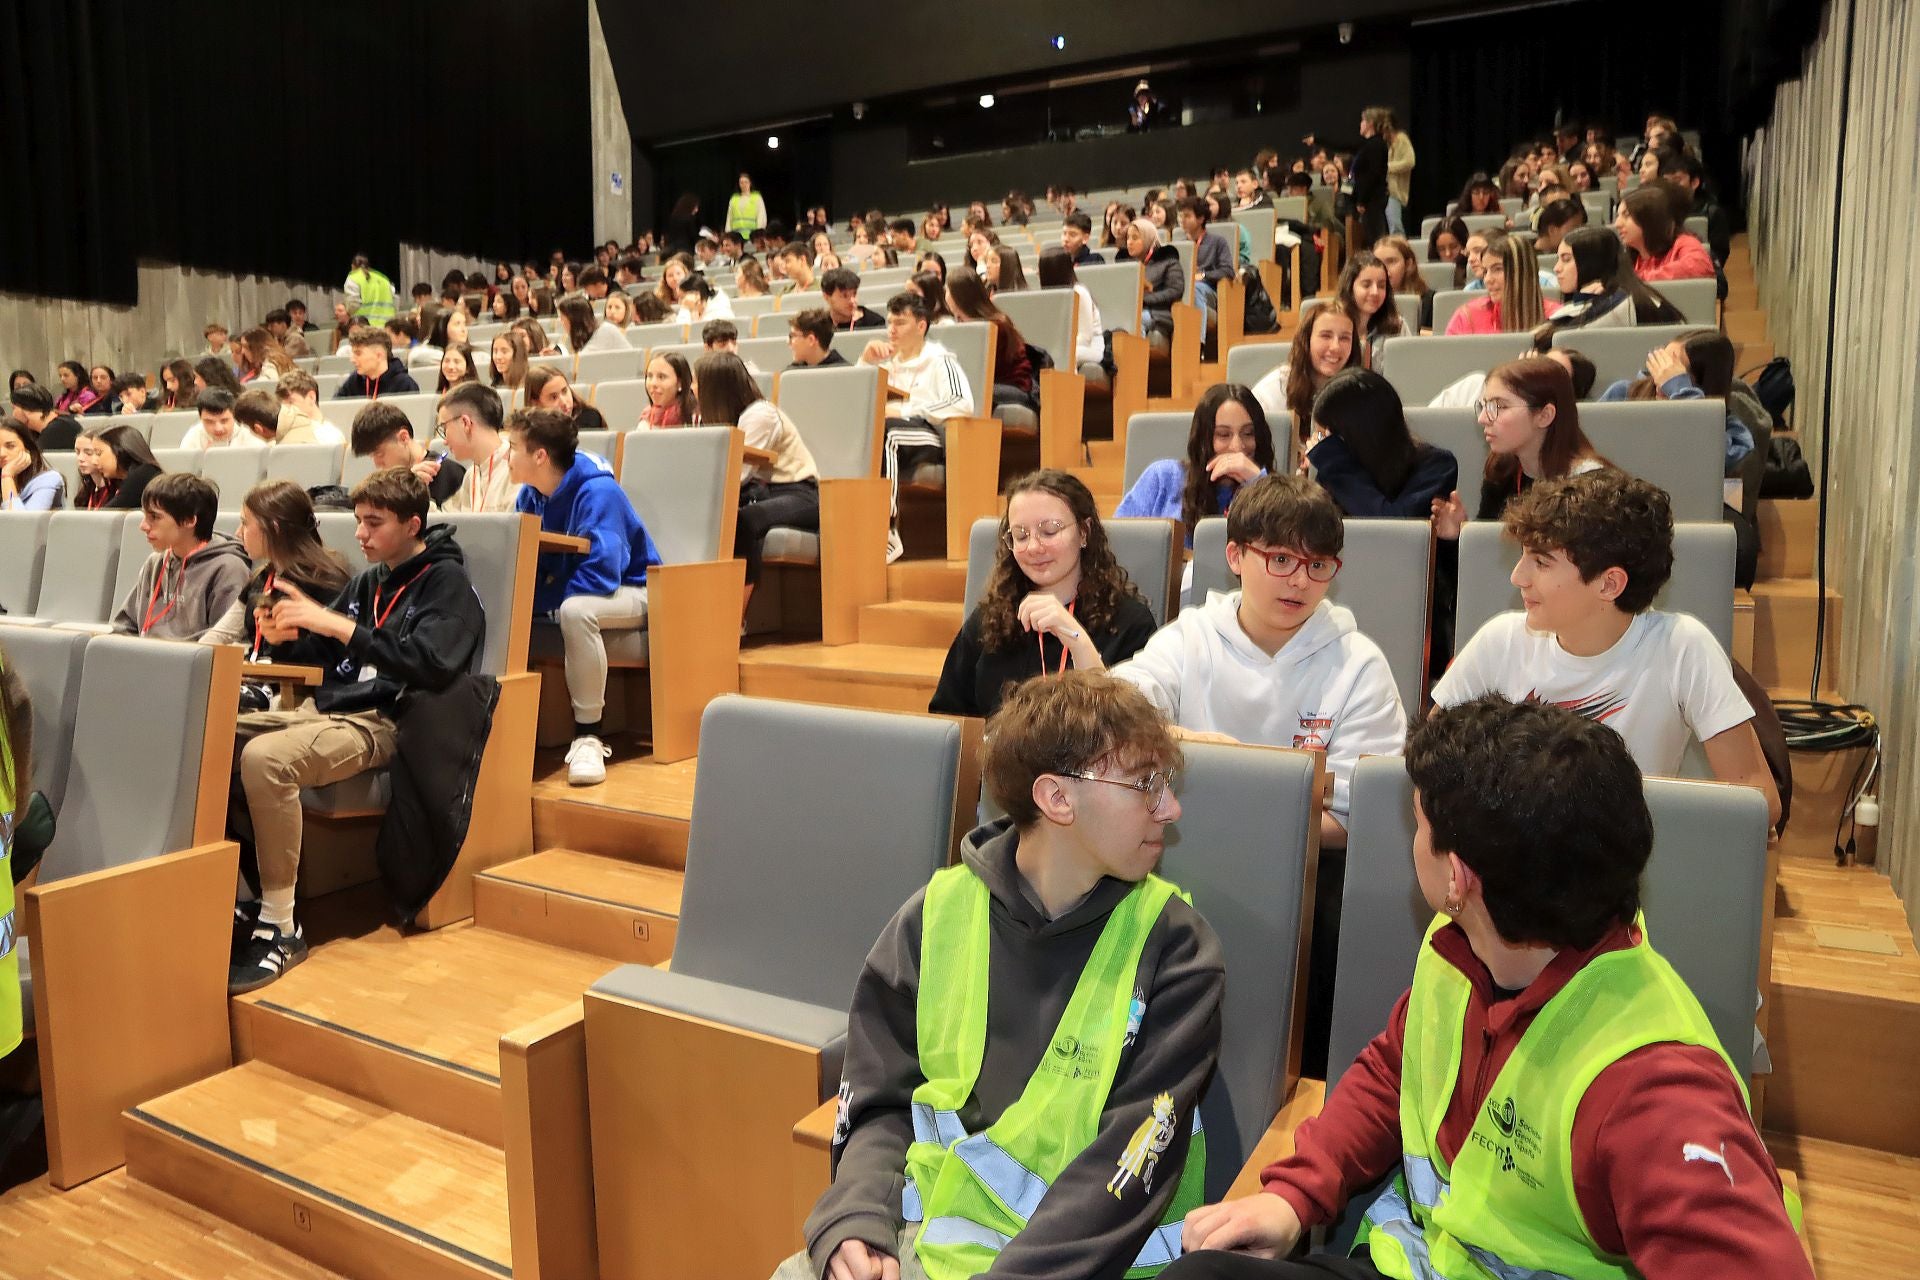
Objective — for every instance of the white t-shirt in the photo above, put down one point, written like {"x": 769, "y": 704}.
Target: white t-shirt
{"x": 1666, "y": 679}
{"x": 240, "y": 438}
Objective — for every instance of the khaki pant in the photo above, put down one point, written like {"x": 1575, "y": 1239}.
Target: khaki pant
{"x": 798, "y": 1267}
{"x": 278, "y": 752}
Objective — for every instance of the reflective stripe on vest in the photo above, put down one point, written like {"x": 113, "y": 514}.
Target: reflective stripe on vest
{"x": 1505, "y": 1208}
{"x": 974, "y": 1192}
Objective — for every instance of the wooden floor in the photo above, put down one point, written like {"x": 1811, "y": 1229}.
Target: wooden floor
{"x": 113, "y": 1228}
{"x": 1862, "y": 1207}
{"x": 635, "y": 782}
{"x": 1842, "y": 930}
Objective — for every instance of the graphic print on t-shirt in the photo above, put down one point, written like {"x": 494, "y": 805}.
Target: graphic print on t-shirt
{"x": 1597, "y": 707}
{"x": 1314, "y": 731}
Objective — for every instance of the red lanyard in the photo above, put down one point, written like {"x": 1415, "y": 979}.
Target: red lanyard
{"x": 149, "y": 619}
{"x": 99, "y": 498}
{"x": 267, "y": 591}
{"x": 480, "y": 490}
{"x": 1064, "y": 651}
{"x": 379, "y": 616}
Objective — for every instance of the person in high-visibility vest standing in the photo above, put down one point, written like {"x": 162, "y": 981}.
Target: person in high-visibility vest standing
{"x": 746, "y": 210}
{"x": 369, "y": 294}
{"x": 16, "y": 785}
{"x": 1052, "y": 1129}
{"x": 1549, "y": 1096}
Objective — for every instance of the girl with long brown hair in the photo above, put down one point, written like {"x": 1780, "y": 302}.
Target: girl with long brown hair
{"x": 1322, "y": 346}
{"x": 1056, "y": 597}
{"x": 968, "y": 299}
{"x": 1229, "y": 446}
{"x": 1532, "y": 425}
{"x": 281, "y": 533}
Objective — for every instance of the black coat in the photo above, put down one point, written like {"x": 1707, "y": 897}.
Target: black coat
{"x": 438, "y": 742}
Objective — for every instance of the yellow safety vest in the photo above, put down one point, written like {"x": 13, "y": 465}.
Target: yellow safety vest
{"x": 10, "y": 787}
{"x": 376, "y": 296}
{"x": 1505, "y": 1209}
{"x": 973, "y": 1192}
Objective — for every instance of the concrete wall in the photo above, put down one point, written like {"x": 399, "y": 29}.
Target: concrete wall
{"x": 612, "y": 143}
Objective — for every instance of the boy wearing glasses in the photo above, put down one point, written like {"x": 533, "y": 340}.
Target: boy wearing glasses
{"x": 1033, "y": 1031}
{"x": 1274, "y": 663}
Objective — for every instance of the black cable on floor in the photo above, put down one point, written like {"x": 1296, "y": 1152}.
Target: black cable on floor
{"x": 1812, "y": 725}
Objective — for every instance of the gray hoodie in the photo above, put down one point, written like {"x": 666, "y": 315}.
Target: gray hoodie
{"x": 1080, "y": 1229}
{"x": 172, "y": 602}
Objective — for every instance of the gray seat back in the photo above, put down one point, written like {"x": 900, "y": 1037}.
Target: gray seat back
{"x": 748, "y": 308}
{"x": 644, "y": 336}
{"x": 1694, "y": 299}
{"x": 1240, "y": 849}
{"x": 490, "y": 543}
{"x": 171, "y": 427}
{"x": 23, "y": 553}
{"x": 1386, "y": 579}
{"x": 307, "y": 465}
{"x": 600, "y": 443}
{"x": 179, "y": 459}
{"x": 83, "y": 555}
{"x": 1116, "y": 288}
{"x": 1438, "y": 275}
{"x": 120, "y": 805}
{"x": 1702, "y": 581}
{"x": 419, "y": 406}
{"x": 66, "y": 464}
{"x": 1142, "y": 544}
{"x": 1153, "y": 437}
{"x": 1421, "y": 367}
{"x": 834, "y": 411}
{"x": 1676, "y": 444}
{"x": 1044, "y": 318}
{"x": 1260, "y": 225}
{"x": 608, "y": 366}
{"x": 1448, "y": 301}
{"x": 1703, "y": 893}
{"x": 1251, "y": 361}
{"x": 354, "y": 468}
{"x": 677, "y": 481}
{"x": 233, "y": 471}
{"x": 621, "y": 403}
{"x": 769, "y": 848}
{"x": 134, "y": 551}
{"x": 50, "y": 661}
{"x": 1620, "y": 354}
{"x": 770, "y": 354}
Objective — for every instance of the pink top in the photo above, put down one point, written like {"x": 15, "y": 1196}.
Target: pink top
{"x": 1687, "y": 260}
{"x": 1482, "y": 315}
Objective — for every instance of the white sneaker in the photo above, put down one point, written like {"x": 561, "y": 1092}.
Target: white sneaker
{"x": 895, "y": 548}
{"x": 586, "y": 761}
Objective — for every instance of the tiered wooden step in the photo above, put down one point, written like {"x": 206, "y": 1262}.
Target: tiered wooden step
{"x": 1862, "y": 1206}
{"x": 1845, "y": 1026}
{"x": 1784, "y": 612}
{"x": 1789, "y": 537}
{"x": 926, "y": 624}
{"x": 640, "y": 813}
{"x": 625, "y": 911}
{"x": 884, "y": 677}
{"x": 346, "y": 1182}
{"x": 113, "y": 1228}
{"x": 413, "y": 1023}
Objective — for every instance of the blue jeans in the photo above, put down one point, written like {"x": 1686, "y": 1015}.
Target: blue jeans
{"x": 1396, "y": 217}
{"x": 1205, "y": 298}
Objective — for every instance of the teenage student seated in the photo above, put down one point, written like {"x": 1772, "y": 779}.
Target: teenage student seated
{"x": 194, "y": 574}
{"x": 1364, "y": 455}
{"x": 301, "y": 419}
{"x": 1275, "y": 662}
{"x": 470, "y": 420}
{"x": 1229, "y": 446}
{"x": 809, "y": 337}
{"x": 27, "y": 481}
{"x": 376, "y": 372}
{"x": 384, "y": 433}
{"x": 281, "y": 534}
{"x": 1549, "y": 1095}
{"x": 959, "y": 1149}
{"x": 925, "y": 387}
{"x": 1595, "y": 551}
{"x": 219, "y": 427}
{"x": 409, "y": 621}
{"x": 601, "y": 589}
{"x": 1056, "y": 597}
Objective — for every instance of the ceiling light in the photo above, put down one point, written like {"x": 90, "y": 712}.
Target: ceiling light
{"x": 986, "y": 99}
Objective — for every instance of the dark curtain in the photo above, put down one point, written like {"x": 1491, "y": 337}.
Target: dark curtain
{"x": 1482, "y": 85}
{"x": 283, "y": 140}
{"x": 796, "y": 174}
{"x": 1764, "y": 42}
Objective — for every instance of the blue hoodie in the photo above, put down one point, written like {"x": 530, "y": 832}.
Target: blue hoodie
{"x": 588, "y": 504}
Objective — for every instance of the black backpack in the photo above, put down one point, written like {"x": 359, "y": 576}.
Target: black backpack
{"x": 1774, "y": 387}
{"x": 1260, "y": 317}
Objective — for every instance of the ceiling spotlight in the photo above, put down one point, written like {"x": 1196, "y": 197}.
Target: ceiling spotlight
{"x": 986, "y": 99}
{"x": 1059, "y": 42}
{"x": 773, "y": 142}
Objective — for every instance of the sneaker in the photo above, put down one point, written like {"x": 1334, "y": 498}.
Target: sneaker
{"x": 895, "y": 548}
{"x": 267, "y": 953}
{"x": 586, "y": 761}
{"x": 245, "y": 916}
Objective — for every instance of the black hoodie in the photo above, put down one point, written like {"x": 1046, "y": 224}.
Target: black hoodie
{"x": 395, "y": 381}
{"x": 428, "y": 628}
{"x": 1080, "y": 1229}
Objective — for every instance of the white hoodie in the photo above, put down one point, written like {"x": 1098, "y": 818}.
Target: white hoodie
{"x": 935, "y": 384}
{"x": 1329, "y": 688}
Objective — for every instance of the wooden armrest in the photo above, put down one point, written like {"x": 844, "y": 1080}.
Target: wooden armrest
{"x": 283, "y": 673}
{"x": 758, "y": 457}
{"x": 1307, "y": 1100}
{"x": 563, "y": 542}
{"x": 815, "y": 1130}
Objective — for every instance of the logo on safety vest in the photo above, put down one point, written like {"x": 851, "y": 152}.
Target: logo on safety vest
{"x": 1143, "y": 1150}
{"x": 1502, "y": 1116}
{"x": 1073, "y": 1058}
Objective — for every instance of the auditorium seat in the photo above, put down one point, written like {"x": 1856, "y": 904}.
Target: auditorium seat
{"x": 67, "y": 463}
{"x": 420, "y": 408}
{"x": 1619, "y": 354}
{"x": 608, "y": 366}
{"x": 1420, "y": 368}
{"x": 1447, "y": 301}
{"x": 77, "y": 577}
{"x": 1248, "y": 363}
{"x": 170, "y": 428}
{"x": 1046, "y": 318}
{"x": 602, "y": 444}
{"x": 182, "y": 459}
{"x": 787, "y": 886}
{"x": 308, "y": 465}
{"x": 1679, "y": 445}
{"x": 23, "y": 553}
{"x": 769, "y": 353}
{"x": 1385, "y": 578}
{"x": 621, "y": 403}
{"x": 1438, "y": 275}
{"x": 1261, "y": 225}
{"x": 1147, "y": 547}
{"x": 49, "y": 660}
{"x": 1153, "y": 437}
{"x": 1696, "y": 299}
{"x": 233, "y": 471}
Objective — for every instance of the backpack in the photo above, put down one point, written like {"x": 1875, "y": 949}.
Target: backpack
{"x": 1773, "y": 739}
{"x": 1774, "y": 387}
{"x": 1786, "y": 474}
{"x": 1260, "y": 317}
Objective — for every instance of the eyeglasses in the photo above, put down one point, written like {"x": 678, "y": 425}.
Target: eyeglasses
{"x": 1045, "y": 531}
{"x": 1154, "y": 786}
{"x": 1284, "y": 564}
{"x": 1494, "y": 408}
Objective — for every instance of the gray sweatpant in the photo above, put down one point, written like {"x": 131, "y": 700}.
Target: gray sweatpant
{"x": 582, "y": 619}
